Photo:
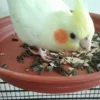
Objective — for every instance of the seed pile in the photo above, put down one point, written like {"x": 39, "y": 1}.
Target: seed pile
{"x": 81, "y": 60}
{"x": 90, "y": 61}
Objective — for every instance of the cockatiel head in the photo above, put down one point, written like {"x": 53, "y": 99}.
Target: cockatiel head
{"x": 80, "y": 28}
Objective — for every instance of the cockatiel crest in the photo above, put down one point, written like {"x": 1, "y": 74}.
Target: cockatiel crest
{"x": 82, "y": 20}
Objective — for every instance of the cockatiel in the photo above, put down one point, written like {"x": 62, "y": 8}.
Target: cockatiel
{"x": 49, "y": 24}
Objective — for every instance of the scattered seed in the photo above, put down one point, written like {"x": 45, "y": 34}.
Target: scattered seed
{"x": 74, "y": 53}
{"x": 64, "y": 74}
{"x": 82, "y": 54}
{"x": 95, "y": 45}
{"x": 25, "y": 54}
{"x": 61, "y": 70}
{"x": 4, "y": 66}
{"x": 57, "y": 62}
{"x": 77, "y": 55}
{"x": 70, "y": 68}
{"x": 41, "y": 69}
{"x": 53, "y": 54}
{"x": 90, "y": 54}
{"x": 78, "y": 66}
{"x": 2, "y": 54}
{"x": 50, "y": 68}
{"x": 86, "y": 64}
{"x": 20, "y": 59}
{"x": 73, "y": 72}
{"x": 34, "y": 64}
{"x": 27, "y": 70}
{"x": 98, "y": 39}
{"x": 95, "y": 35}
{"x": 69, "y": 59}
{"x": 65, "y": 62}
{"x": 98, "y": 67}
{"x": 13, "y": 39}
{"x": 52, "y": 64}
{"x": 76, "y": 60}
{"x": 61, "y": 54}
{"x": 24, "y": 45}
{"x": 62, "y": 60}
{"x": 70, "y": 75}
{"x": 35, "y": 68}
{"x": 89, "y": 69}
{"x": 45, "y": 64}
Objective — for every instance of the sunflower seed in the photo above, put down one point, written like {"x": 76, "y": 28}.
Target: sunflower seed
{"x": 14, "y": 39}
{"x": 50, "y": 68}
{"x": 2, "y": 54}
{"x": 4, "y": 66}
{"x": 62, "y": 60}
{"x": 98, "y": 67}
{"x": 89, "y": 69}
{"x": 41, "y": 69}
{"x": 27, "y": 70}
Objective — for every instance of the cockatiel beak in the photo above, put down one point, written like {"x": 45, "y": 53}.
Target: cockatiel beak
{"x": 85, "y": 44}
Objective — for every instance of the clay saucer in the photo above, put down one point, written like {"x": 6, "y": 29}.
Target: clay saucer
{"x": 49, "y": 82}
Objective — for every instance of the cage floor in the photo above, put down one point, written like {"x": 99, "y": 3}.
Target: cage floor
{"x": 49, "y": 82}
{"x": 9, "y": 92}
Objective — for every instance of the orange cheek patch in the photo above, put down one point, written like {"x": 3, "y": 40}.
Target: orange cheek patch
{"x": 61, "y": 36}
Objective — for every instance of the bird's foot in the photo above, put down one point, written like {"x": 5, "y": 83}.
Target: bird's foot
{"x": 42, "y": 53}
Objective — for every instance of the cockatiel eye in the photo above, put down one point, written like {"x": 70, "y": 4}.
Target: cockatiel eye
{"x": 72, "y": 36}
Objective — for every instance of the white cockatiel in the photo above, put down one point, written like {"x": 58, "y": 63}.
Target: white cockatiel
{"x": 49, "y": 24}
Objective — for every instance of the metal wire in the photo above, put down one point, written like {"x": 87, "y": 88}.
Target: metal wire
{"x": 9, "y": 92}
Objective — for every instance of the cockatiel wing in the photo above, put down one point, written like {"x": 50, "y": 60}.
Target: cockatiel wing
{"x": 32, "y": 19}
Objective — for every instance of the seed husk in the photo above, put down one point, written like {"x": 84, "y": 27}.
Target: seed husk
{"x": 35, "y": 68}
{"x": 20, "y": 59}
{"x": 73, "y": 73}
{"x": 64, "y": 74}
{"x": 2, "y": 54}
{"x": 34, "y": 64}
{"x": 52, "y": 64}
{"x": 89, "y": 69}
{"x": 78, "y": 66}
{"x": 74, "y": 54}
{"x": 98, "y": 67}
{"x": 50, "y": 68}
{"x": 15, "y": 40}
{"x": 4, "y": 66}
{"x": 56, "y": 62}
{"x": 41, "y": 69}
{"x": 61, "y": 70}
{"x": 25, "y": 46}
{"x": 45, "y": 64}
{"x": 27, "y": 70}
{"x": 53, "y": 54}
{"x": 62, "y": 60}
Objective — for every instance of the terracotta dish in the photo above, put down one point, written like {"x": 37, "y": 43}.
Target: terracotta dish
{"x": 49, "y": 82}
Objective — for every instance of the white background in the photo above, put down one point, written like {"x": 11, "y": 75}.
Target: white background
{"x": 92, "y": 5}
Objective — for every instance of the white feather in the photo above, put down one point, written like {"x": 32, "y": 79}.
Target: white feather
{"x": 36, "y": 20}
